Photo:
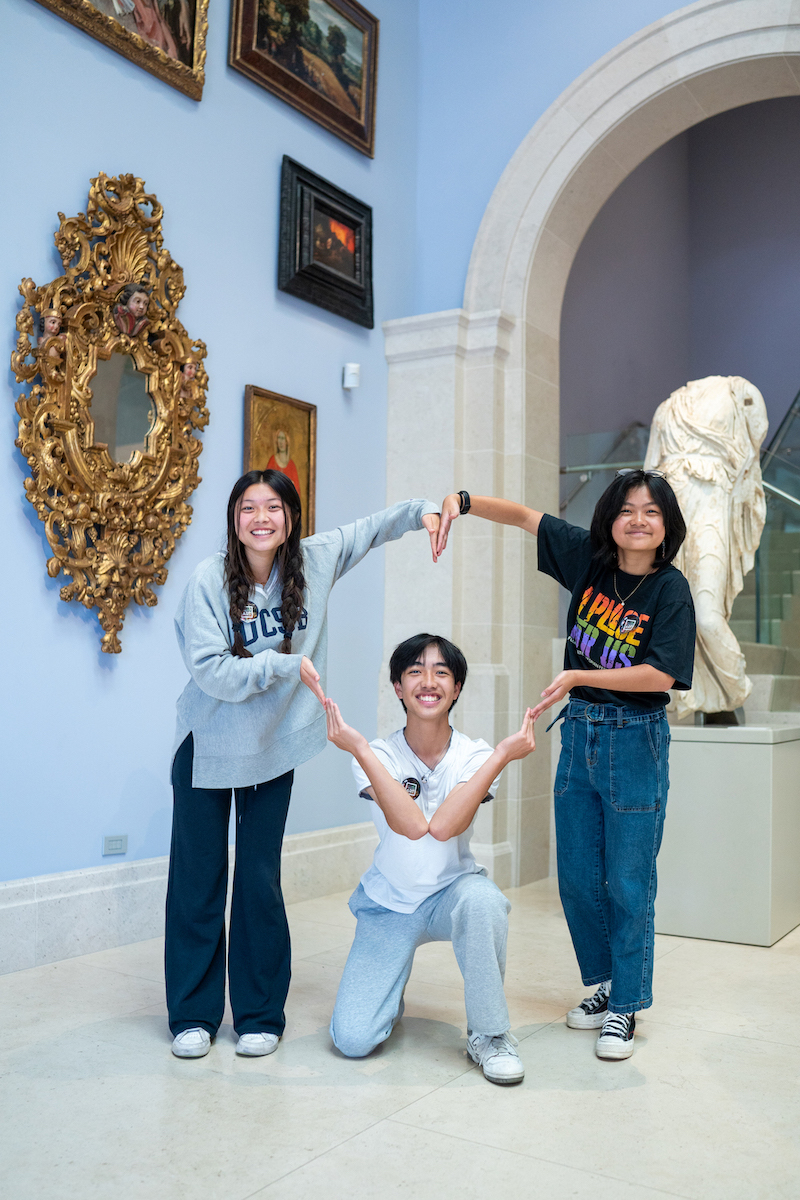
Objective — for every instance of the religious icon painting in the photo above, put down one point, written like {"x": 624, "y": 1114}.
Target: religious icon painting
{"x": 165, "y": 37}
{"x": 280, "y": 434}
{"x": 325, "y": 252}
{"x": 320, "y": 56}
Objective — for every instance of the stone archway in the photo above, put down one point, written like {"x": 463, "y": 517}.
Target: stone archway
{"x": 473, "y": 392}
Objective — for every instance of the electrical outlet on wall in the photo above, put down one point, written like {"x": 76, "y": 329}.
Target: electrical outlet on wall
{"x": 116, "y": 843}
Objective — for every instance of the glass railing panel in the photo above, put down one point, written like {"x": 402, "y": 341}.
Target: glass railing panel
{"x": 589, "y": 462}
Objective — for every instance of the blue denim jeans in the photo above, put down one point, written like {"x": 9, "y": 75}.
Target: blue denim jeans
{"x": 610, "y": 796}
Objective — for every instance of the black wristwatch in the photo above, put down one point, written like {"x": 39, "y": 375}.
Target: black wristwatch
{"x": 463, "y": 503}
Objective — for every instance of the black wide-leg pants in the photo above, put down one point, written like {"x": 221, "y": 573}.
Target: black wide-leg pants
{"x": 259, "y": 960}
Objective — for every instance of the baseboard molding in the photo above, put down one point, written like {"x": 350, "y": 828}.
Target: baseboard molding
{"x": 50, "y": 917}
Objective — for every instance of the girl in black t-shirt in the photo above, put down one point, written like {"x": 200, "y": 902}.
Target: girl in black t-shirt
{"x": 630, "y": 637}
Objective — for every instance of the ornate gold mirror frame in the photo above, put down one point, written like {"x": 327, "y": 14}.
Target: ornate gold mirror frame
{"x": 111, "y": 525}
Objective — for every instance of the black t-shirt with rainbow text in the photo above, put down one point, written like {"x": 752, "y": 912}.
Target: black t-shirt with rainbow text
{"x": 610, "y": 627}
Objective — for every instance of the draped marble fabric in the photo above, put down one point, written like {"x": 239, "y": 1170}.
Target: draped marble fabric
{"x": 706, "y": 439}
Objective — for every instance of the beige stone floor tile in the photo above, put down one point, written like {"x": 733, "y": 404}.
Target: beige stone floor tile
{"x": 143, "y": 959}
{"x": 749, "y": 991}
{"x": 696, "y": 1114}
{"x": 327, "y": 910}
{"x": 391, "y": 1160}
{"x": 313, "y": 937}
{"x": 93, "y": 1105}
{"x": 49, "y": 1001}
{"x": 108, "y": 1111}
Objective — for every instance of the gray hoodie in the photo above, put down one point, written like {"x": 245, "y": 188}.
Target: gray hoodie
{"x": 251, "y": 718}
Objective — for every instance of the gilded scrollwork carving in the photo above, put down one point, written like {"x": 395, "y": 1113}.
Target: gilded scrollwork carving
{"x": 111, "y": 525}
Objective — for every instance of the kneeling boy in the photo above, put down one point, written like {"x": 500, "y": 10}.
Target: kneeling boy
{"x": 427, "y": 782}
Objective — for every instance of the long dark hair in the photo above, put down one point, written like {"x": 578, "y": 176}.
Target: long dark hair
{"x": 238, "y": 576}
{"x": 610, "y": 504}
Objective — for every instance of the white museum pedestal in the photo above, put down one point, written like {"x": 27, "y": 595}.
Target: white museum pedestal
{"x": 729, "y": 867}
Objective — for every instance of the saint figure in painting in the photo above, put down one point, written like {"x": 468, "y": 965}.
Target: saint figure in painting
{"x": 281, "y": 459}
{"x": 130, "y": 310}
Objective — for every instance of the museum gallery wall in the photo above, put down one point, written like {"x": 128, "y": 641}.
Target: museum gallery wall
{"x": 453, "y": 100}
{"x": 99, "y": 763}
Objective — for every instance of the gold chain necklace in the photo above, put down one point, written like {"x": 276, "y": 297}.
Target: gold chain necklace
{"x": 625, "y": 599}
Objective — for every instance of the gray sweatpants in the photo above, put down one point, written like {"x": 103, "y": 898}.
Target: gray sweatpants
{"x": 471, "y": 912}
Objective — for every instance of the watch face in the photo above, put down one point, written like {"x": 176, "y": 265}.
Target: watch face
{"x": 412, "y": 786}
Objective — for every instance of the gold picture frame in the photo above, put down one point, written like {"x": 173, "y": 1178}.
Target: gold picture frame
{"x": 165, "y": 37}
{"x": 118, "y": 391}
{"x": 267, "y": 416}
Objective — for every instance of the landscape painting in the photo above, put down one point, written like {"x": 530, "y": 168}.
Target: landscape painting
{"x": 326, "y": 51}
{"x": 319, "y": 55}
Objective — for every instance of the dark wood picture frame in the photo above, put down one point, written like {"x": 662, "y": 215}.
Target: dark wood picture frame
{"x": 325, "y": 251}
{"x": 266, "y": 416}
{"x": 186, "y": 76}
{"x": 334, "y": 86}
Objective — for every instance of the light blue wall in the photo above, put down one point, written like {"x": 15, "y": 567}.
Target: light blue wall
{"x": 86, "y": 737}
{"x": 487, "y": 72}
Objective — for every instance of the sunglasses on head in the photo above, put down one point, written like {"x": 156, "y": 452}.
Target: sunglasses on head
{"x": 639, "y": 471}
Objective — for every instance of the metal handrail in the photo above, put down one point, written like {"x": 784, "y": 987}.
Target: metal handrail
{"x": 623, "y": 435}
{"x": 623, "y": 466}
{"x": 770, "y": 487}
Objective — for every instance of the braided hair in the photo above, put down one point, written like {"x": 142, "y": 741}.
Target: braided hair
{"x": 239, "y": 578}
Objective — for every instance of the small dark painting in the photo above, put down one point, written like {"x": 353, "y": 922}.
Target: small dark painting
{"x": 335, "y": 244}
{"x": 325, "y": 253}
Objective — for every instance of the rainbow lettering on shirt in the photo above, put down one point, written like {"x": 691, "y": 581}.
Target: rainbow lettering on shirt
{"x": 599, "y": 616}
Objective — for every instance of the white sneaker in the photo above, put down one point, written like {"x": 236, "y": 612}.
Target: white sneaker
{"x": 192, "y": 1043}
{"x": 253, "y": 1045}
{"x": 497, "y": 1056}
{"x": 591, "y": 1012}
{"x": 616, "y": 1039}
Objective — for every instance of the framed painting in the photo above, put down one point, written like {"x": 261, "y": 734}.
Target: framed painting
{"x": 165, "y": 37}
{"x": 281, "y": 433}
{"x": 319, "y": 55}
{"x": 325, "y": 252}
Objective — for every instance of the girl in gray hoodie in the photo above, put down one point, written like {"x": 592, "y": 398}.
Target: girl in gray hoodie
{"x": 251, "y": 624}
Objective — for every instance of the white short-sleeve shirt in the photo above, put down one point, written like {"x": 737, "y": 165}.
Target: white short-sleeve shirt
{"x": 405, "y": 872}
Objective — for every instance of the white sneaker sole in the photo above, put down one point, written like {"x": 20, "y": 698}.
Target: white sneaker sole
{"x": 257, "y": 1051}
{"x": 578, "y": 1019}
{"x": 516, "y": 1077}
{"x": 612, "y": 1052}
{"x": 191, "y": 1052}
{"x": 501, "y": 1079}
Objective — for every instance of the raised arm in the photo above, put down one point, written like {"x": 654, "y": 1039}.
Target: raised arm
{"x": 402, "y": 814}
{"x": 363, "y": 535}
{"x": 503, "y": 512}
{"x": 457, "y": 811}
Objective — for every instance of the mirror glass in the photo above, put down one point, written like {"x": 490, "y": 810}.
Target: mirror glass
{"x": 122, "y": 410}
